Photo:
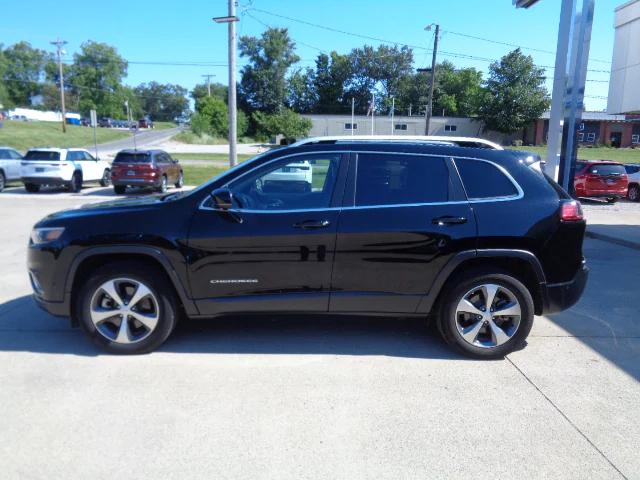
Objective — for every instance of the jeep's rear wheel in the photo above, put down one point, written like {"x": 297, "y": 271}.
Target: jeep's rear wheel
{"x": 75, "y": 185}
{"x": 163, "y": 184}
{"x": 486, "y": 315}
{"x": 634, "y": 193}
{"x": 127, "y": 308}
{"x": 105, "y": 181}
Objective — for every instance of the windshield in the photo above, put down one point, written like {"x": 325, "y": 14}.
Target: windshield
{"x": 608, "y": 170}
{"x": 41, "y": 155}
{"x": 132, "y": 158}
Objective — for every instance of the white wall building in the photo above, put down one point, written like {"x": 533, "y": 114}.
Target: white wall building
{"x": 624, "y": 94}
{"x": 323, "y": 125}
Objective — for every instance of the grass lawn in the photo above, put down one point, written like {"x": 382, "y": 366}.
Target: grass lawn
{"x": 198, "y": 174}
{"x": 217, "y": 157}
{"x": 623, "y": 155}
{"x": 25, "y": 135}
{"x": 163, "y": 125}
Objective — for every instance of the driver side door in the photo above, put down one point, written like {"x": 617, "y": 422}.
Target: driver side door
{"x": 274, "y": 250}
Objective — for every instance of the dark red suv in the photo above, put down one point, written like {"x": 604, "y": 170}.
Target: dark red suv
{"x": 601, "y": 179}
{"x": 145, "y": 168}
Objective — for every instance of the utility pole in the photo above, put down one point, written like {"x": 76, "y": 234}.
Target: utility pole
{"x": 353, "y": 114}
{"x": 433, "y": 76}
{"x": 393, "y": 107}
{"x": 208, "y": 77}
{"x": 231, "y": 20}
{"x": 59, "y": 44}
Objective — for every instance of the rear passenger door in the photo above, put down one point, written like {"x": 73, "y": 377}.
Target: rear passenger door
{"x": 404, "y": 216}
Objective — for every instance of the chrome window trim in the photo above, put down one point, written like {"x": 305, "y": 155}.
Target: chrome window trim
{"x": 508, "y": 198}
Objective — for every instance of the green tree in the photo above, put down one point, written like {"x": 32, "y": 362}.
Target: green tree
{"x": 217, "y": 90}
{"x": 162, "y": 102}
{"x": 4, "y": 92}
{"x": 515, "y": 93}
{"x": 286, "y": 122}
{"x": 263, "y": 86}
{"x": 302, "y": 96}
{"x": 24, "y": 71}
{"x": 96, "y": 76}
{"x": 332, "y": 76}
{"x": 217, "y": 115}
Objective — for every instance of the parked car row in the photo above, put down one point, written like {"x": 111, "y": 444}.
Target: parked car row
{"x": 106, "y": 122}
{"x": 73, "y": 167}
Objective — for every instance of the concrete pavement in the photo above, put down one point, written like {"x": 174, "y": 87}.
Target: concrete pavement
{"x": 319, "y": 397}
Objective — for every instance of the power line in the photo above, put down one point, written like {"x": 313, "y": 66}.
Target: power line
{"x": 393, "y": 42}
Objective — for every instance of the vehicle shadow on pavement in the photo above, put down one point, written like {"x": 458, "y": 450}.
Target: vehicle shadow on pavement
{"x": 607, "y": 317}
{"x": 24, "y": 327}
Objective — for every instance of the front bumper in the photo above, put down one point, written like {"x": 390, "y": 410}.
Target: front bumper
{"x": 561, "y": 296}
{"x": 57, "y": 309}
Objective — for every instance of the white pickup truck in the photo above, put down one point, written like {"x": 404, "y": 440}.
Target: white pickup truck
{"x": 69, "y": 167}
{"x": 9, "y": 165}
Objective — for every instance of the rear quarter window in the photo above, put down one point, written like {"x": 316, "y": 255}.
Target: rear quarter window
{"x": 483, "y": 180}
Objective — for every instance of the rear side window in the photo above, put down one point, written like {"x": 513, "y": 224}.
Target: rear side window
{"x": 41, "y": 155}
{"x": 484, "y": 180}
{"x": 387, "y": 179}
{"x": 607, "y": 170}
{"x": 124, "y": 157}
{"x": 631, "y": 169}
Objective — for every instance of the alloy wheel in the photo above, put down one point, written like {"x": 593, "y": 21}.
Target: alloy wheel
{"x": 488, "y": 315}
{"x": 124, "y": 310}
{"x": 634, "y": 194}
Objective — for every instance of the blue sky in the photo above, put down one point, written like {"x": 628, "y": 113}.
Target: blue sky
{"x": 169, "y": 31}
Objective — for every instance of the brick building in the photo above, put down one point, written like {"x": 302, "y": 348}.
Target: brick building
{"x": 597, "y": 128}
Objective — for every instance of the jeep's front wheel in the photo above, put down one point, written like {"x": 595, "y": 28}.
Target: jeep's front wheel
{"x": 486, "y": 315}
{"x": 127, "y": 308}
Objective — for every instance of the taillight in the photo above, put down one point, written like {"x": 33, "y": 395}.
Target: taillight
{"x": 571, "y": 211}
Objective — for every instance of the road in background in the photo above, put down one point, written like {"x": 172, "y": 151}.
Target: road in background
{"x": 303, "y": 397}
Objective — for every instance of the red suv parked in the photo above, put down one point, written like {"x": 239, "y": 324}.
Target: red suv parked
{"x": 145, "y": 168}
{"x": 601, "y": 179}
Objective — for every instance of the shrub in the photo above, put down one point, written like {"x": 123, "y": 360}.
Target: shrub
{"x": 287, "y": 123}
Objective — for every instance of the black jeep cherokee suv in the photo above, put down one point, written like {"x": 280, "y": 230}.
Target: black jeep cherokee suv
{"x": 478, "y": 239}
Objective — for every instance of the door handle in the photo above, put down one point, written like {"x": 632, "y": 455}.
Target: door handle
{"x": 312, "y": 224}
{"x": 449, "y": 220}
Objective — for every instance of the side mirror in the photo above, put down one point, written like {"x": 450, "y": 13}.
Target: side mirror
{"x": 222, "y": 198}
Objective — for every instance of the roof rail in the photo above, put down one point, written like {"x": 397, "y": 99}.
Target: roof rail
{"x": 434, "y": 140}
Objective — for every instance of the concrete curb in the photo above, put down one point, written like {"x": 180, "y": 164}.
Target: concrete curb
{"x": 617, "y": 241}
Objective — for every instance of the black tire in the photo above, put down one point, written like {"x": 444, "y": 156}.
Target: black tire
{"x": 75, "y": 185}
{"x": 3, "y": 180}
{"x": 456, "y": 290}
{"x": 119, "y": 189}
{"x": 155, "y": 282}
{"x": 612, "y": 199}
{"x": 32, "y": 187}
{"x": 180, "y": 182}
{"x": 634, "y": 193}
{"x": 105, "y": 181}
{"x": 162, "y": 188}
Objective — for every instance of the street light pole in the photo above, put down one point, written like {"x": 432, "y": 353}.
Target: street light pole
{"x": 59, "y": 44}
{"x": 231, "y": 20}
{"x": 433, "y": 76}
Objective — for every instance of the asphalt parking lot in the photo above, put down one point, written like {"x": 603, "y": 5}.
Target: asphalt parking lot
{"x": 321, "y": 397}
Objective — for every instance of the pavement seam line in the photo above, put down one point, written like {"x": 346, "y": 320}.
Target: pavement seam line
{"x": 575, "y": 427}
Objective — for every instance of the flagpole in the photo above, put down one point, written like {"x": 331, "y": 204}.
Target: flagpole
{"x": 353, "y": 116}
{"x": 373, "y": 111}
{"x": 393, "y": 106}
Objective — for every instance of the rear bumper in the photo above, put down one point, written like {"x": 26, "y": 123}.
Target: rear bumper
{"x": 561, "y": 296}
{"x": 44, "y": 180}
{"x": 135, "y": 182}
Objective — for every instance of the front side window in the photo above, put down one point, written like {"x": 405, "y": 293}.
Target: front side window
{"x": 301, "y": 182}
{"x": 388, "y": 179}
{"x": 484, "y": 180}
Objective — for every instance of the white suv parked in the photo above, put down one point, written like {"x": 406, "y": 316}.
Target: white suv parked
{"x": 633, "y": 174}
{"x": 9, "y": 165}
{"x": 70, "y": 167}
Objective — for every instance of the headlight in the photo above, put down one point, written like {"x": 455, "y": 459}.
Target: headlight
{"x": 45, "y": 235}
